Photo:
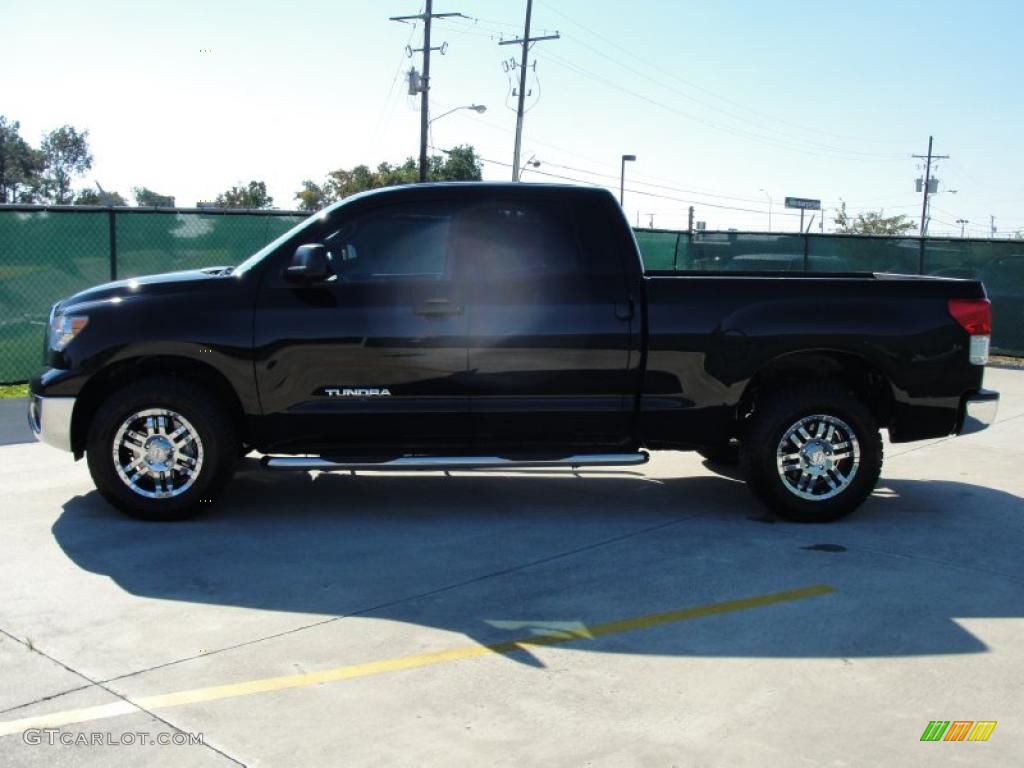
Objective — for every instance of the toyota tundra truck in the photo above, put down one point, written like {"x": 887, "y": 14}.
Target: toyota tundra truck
{"x": 476, "y": 326}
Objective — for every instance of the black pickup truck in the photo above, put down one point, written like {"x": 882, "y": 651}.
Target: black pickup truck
{"x": 476, "y": 326}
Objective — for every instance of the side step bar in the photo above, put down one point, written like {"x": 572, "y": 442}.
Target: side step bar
{"x": 412, "y": 463}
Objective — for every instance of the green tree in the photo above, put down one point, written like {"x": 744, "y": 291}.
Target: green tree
{"x": 254, "y": 195}
{"x": 145, "y": 197}
{"x": 65, "y": 154}
{"x": 458, "y": 164}
{"x": 20, "y": 165}
{"x": 312, "y": 196}
{"x": 90, "y": 196}
{"x": 872, "y": 223}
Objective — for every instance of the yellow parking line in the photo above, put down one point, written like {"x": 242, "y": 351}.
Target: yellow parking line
{"x": 217, "y": 692}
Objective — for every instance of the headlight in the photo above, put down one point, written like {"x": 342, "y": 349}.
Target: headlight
{"x": 64, "y": 328}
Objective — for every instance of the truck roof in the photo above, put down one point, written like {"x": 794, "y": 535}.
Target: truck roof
{"x": 471, "y": 189}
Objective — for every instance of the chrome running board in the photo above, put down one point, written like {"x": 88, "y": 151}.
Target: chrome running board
{"x": 427, "y": 463}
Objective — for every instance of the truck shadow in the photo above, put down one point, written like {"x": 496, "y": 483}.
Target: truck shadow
{"x": 498, "y": 557}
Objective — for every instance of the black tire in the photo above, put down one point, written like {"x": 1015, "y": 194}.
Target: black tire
{"x": 773, "y": 417}
{"x": 205, "y": 414}
{"x": 723, "y": 454}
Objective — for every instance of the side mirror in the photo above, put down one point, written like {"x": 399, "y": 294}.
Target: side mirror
{"x": 308, "y": 265}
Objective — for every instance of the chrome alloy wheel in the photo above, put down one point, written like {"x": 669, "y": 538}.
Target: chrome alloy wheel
{"x": 818, "y": 457}
{"x": 158, "y": 453}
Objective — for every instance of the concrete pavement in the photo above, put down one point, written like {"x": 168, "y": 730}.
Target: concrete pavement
{"x": 350, "y": 617}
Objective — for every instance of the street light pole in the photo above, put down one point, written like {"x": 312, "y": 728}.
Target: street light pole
{"x": 963, "y": 223}
{"x": 622, "y": 176}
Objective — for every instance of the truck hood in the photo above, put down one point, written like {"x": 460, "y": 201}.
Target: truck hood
{"x": 138, "y": 287}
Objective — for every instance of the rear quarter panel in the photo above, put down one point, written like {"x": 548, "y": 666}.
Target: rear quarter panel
{"x": 708, "y": 336}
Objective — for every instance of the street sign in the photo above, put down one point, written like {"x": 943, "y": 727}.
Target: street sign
{"x": 803, "y": 203}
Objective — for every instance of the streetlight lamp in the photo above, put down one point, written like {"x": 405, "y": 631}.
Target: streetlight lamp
{"x": 622, "y": 176}
{"x": 478, "y": 108}
{"x": 963, "y": 223}
{"x": 533, "y": 162}
{"x": 769, "y": 208}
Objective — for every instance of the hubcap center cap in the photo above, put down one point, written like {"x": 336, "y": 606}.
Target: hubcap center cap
{"x": 816, "y": 456}
{"x": 158, "y": 451}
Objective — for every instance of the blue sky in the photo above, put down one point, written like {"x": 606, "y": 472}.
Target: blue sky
{"x": 719, "y": 100}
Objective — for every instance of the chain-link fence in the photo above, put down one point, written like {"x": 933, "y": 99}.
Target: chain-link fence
{"x": 49, "y": 253}
{"x": 999, "y": 264}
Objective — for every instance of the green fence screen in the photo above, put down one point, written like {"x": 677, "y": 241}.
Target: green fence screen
{"x": 49, "y": 253}
{"x": 999, "y": 264}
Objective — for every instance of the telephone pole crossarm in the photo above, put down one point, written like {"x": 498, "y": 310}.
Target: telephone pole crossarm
{"x": 422, "y": 16}
{"x": 520, "y": 41}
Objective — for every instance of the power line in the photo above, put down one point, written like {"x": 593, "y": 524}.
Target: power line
{"x": 394, "y": 81}
{"x": 707, "y": 91}
{"x": 632, "y": 191}
{"x": 651, "y": 184}
{"x": 638, "y": 178}
{"x": 770, "y": 141}
{"x": 784, "y": 136}
{"x": 483, "y": 28}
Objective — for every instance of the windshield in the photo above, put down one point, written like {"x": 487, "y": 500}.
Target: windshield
{"x": 272, "y": 246}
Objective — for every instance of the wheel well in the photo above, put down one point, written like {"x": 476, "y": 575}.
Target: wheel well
{"x": 866, "y": 381}
{"x": 102, "y": 384}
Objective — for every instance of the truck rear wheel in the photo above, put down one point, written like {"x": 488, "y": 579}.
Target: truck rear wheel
{"x": 812, "y": 454}
{"x": 161, "y": 449}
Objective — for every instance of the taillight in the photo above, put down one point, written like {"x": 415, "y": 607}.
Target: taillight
{"x": 975, "y": 317}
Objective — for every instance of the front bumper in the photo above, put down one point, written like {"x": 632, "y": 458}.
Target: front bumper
{"x": 50, "y": 420}
{"x": 978, "y": 411}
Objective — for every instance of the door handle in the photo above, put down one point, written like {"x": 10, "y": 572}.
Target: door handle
{"x": 624, "y": 310}
{"x": 438, "y": 308}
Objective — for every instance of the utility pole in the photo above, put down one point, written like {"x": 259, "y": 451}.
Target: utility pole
{"x": 689, "y": 227}
{"x": 927, "y": 182}
{"x": 424, "y": 87}
{"x": 525, "y": 42}
{"x": 992, "y": 226}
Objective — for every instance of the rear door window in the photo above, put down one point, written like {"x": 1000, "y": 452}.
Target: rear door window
{"x": 507, "y": 238}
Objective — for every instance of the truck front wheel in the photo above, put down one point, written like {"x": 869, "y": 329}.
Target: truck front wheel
{"x": 813, "y": 453}
{"x": 161, "y": 449}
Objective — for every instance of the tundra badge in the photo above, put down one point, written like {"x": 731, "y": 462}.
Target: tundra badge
{"x": 356, "y": 392}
